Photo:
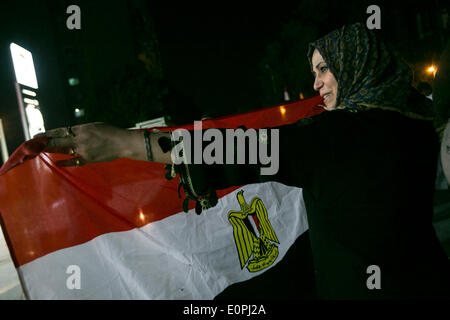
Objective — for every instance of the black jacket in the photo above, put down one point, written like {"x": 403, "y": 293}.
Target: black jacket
{"x": 368, "y": 184}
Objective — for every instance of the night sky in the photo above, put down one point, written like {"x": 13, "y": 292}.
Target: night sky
{"x": 209, "y": 51}
{"x": 212, "y": 50}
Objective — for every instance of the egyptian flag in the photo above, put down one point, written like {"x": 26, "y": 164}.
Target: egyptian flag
{"x": 116, "y": 230}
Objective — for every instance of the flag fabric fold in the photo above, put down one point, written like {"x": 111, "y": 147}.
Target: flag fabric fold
{"x": 116, "y": 230}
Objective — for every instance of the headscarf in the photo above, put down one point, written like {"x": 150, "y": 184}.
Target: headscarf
{"x": 368, "y": 73}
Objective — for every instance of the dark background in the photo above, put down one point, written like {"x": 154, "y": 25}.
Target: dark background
{"x": 138, "y": 60}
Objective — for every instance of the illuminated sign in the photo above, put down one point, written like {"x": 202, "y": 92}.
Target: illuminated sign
{"x": 23, "y": 66}
{"x": 31, "y": 116}
{"x": 35, "y": 120}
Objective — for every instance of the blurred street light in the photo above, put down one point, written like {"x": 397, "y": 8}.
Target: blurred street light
{"x": 74, "y": 81}
{"x": 79, "y": 112}
{"x": 432, "y": 69}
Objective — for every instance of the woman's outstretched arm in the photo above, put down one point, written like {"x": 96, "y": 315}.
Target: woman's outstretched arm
{"x": 98, "y": 142}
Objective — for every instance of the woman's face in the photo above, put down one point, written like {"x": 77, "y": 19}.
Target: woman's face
{"x": 324, "y": 81}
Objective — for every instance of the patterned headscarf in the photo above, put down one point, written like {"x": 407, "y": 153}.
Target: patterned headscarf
{"x": 367, "y": 72}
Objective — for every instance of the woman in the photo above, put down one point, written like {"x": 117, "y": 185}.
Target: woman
{"x": 367, "y": 170}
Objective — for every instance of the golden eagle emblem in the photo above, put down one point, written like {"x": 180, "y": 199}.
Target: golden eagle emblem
{"x": 247, "y": 241}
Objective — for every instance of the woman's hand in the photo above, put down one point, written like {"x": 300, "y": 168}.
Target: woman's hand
{"x": 95, "y": 142}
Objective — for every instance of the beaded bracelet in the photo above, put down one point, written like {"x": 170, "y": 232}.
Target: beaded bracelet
{"x": 147, "y": 146}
